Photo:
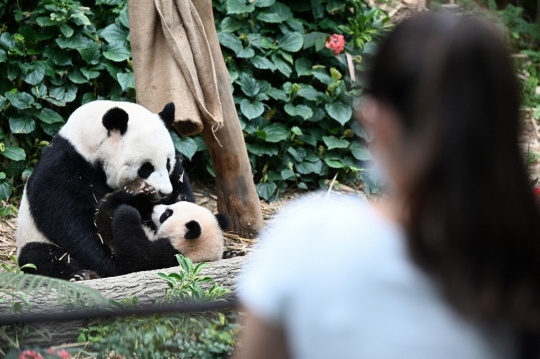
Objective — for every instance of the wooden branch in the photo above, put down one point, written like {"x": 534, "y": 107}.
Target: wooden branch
{"x": 235, "y": 189}
{"x": 146, "y": 285}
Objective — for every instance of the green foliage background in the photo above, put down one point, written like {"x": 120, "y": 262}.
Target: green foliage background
{"x": 294, "y": 97}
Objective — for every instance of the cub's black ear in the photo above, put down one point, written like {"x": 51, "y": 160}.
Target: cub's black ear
{"x": 193, "y": 230}
{"x": 115, "y": 119}
{"x": 223, "y": 221}
{"x": 167, "y": 114}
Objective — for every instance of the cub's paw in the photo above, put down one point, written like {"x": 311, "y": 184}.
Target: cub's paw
{"x": 233, "y": 253}
{"x": 84, "y": 275}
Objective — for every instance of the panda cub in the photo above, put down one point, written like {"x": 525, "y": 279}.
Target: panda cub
{"x": 103, "y": 147}
{"x": 180, "y": 228}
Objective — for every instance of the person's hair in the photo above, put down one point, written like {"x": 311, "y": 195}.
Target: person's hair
{"x": 472, "y": 222}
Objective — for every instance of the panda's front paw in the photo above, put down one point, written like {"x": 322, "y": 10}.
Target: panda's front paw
{"x": 84, "y": 275}
{"x": 125, "y": 214}
{"x": 233, "y": 253}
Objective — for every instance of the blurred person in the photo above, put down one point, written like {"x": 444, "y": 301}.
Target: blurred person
{"x": 449, "y": 265}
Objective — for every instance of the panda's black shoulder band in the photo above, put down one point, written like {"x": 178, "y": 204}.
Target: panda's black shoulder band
{"x": 116, "y": 119}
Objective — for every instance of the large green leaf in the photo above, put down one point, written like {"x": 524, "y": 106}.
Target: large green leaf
{"x": 239, "y": 7}
{"x": 315, "y": 38}
{"x": 333, "y": 142}
{"x": 3, "y": 56}
{"x": 36, "y": 74}
{"x": 71, "y": 42}
{"x": 187, "y": 146}
{"x": 263, "y": 63}
{"x": 291, "y": 42}
{"x": 91, "y": 74}
{"x": 21, "y": 123}
{"x": 308, "y": 92}
{"x": 301, "y": 110}
{"x": 66, "y": 30}
{"x": 360, "y": 151}
{"x": 276, "y": 132}
{"x": 5, "y": 190}
{"x": 49, "y": 116}
{"x": 303, "y": 66}
{"x": 263, "y": 3}
{"x": 90, "y": 52}
{"x": 276, "y": 13}
{"x": 114, "y": 33}
{"x": 266, "y": 189}
{"x": 230, "y": 41}
{"x": 126, "y": 80}
{"x": 281, "y": 65}
{"x": 117, "y": 51}
{"x": 77, "y": 77}
{"x": 20, "y": 100}
{"x": 251, "y": 109}
{"x": 334, "y": 163}
{"x": 249, "y": 85}
{"x": 7, "y": 41}
{"x": 307, "y": 167}
{"x": 246, "y": 53}
{"x": 65, "y": 93}
{"x": 38, "y": 91}
{"x": 260, "y": 149}
{"x": 14, "y": 153}
{"x": 230, "y": 24}
{"x": 339, "y": 111}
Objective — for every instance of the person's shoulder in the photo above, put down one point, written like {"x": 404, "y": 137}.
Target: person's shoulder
{"x": 320, "y": 209}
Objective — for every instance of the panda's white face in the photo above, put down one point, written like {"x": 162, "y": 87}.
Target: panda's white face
{"x": 147, "y": 156}
{"x": 136, "y": 144}
{"x": 174, "y": 221}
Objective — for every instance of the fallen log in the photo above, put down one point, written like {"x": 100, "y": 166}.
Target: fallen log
{"x": 147, "y": 286}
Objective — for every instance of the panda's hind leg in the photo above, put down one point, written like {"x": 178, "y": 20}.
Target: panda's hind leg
{"x": 52, "y": 261}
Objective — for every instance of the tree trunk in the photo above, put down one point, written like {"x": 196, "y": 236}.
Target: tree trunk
{"x": 146, "y": 285}
{"x": 235, "y": 189}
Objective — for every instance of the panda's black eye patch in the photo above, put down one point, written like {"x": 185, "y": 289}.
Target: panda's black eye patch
{"x": 168, "y": 164}
{"x": 165, "y": 215}
{"x": 146, "y": 170}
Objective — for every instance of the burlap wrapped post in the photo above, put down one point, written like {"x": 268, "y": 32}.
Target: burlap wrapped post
{"x": 172, "y": 62}
{"x": 177, "y": 57}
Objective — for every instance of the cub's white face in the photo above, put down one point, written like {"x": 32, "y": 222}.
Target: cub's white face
{"x": 171, "y": 222}
{"x": 143, "y": 151}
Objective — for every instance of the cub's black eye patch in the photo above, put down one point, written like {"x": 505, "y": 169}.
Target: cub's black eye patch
{"x": 165, "y": 215}
{"x": 146, "y": 170}
{"x": 168, "y": 164}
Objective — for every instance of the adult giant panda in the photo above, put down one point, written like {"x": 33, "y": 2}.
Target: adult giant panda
{"x": 103, "y": 146}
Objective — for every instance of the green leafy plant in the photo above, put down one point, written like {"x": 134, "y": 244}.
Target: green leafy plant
{"x": 54, "y": 56}
{"x": 199, "y": 335}
{"x": 185, "y": 285}
{"x": 295, "y": 97}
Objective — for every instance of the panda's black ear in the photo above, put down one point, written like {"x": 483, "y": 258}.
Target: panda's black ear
{"x": 193, "y": 230}
{"x": 167, "y": 114}
{"x": 116, "y": 119}
{"x": 223, "y": 221}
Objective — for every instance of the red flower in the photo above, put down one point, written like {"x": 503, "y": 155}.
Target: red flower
{"x": 30, "y": 354}
{"x": 536, "y": 191}
{"x": 336, "y": 43}
{"x": 63, "y": 354}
